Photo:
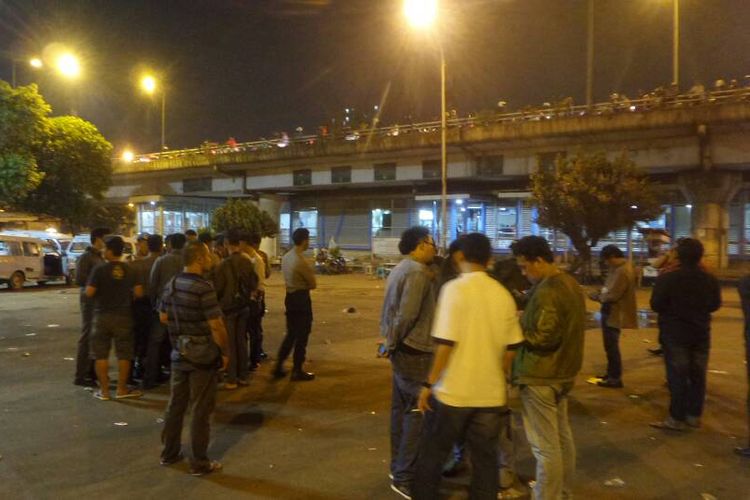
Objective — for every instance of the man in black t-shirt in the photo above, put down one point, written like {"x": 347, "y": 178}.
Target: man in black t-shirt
{"x": 112, "y": 286}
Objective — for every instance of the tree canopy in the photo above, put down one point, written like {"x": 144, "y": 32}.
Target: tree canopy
{"x": 245, "y": 215}
{"x": 587, "y": 197}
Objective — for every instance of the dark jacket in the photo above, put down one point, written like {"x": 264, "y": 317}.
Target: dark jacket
{"x": 235, "y": 268}
{"x": 553, "y": 324}
{"x": 685, "y": 299}
{"x": 85, "y": 264}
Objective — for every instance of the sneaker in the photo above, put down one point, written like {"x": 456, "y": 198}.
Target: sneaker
{"x": 230, "y": 386}
{"x": 743, "y": 452}
{"x": 402, "y": 490}
{"x": 173, "y": 460}
{"x": 101, "y": 396}
{"x": 610, "y": 383}
{"x": 130, "y": 394}
{"x": 213, "y": 466}
{"x": 302, "y": 376}
{"x": 670, "y": 424}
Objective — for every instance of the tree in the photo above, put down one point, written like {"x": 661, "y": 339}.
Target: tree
{"x": 587, "y": 197}
{"x": 245, "y": 215}
{"x": 23, "y": 127}
{"x": 76, "y": 161}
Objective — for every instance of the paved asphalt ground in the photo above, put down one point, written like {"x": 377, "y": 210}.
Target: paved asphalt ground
{"x": 328, "y": 439}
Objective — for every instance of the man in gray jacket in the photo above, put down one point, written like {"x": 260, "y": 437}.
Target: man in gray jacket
{"x": 406, "y": 323}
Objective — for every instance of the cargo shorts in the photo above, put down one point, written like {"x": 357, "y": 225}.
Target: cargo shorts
{"x": 108, "y": 328}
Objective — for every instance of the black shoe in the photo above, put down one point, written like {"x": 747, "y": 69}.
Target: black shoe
{"x": 610, "y": 383}
{"x": 656, "y": 351}
{"x": 279, "y": 373}
{"x": 453, "y": 466}
{"x": 85, "y": 383}
{"x": 264, "y": 355}
{"x": 254, "y": 367}
{"x": 302, "y": 376}
{"x": 172, "y": 460}
{"x": 743, "y": 452}
{"x": 402, "y": 490}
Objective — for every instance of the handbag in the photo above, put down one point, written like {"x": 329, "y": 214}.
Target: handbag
{"x": 199, "y": 350}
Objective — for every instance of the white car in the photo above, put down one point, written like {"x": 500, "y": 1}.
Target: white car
{"x": 22, "y": 259}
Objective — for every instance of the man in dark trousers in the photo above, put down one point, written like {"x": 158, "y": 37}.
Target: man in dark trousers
{"x": 143, "y": 308}
{"x": 235, "y": 282}
{"x": 299, "y": 278}
{"x": 162, "y": 272}
{"x": 405, "y": 323}
{"x": 90, "y": 258}
{"x": 190, "y": 308}
{"x": 685, "y": 299}
{"x": 113, "y": 287}
{"x": 744, "y": 289}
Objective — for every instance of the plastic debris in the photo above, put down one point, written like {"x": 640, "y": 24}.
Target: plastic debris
{"x": 328, "y": 342}
{"x": 121, "y": 424}
{"x": 372, "y": 413}
{"x": 634, "y": 396}
{"x": 603, "y": 422}
{"x": 697, "y": 465}
{"x": 69, "y": 359}
{"x": 615, "y": 482}
{"x": 270, "y": 466}
{"x": 372, "y": 449}
{"x": 11, "y": 349}
{"x": 719, "y": 372}
{"x": 707, "y": 496}
{"x": 652, "y": 438}
{"x": 26, "y": 354}
{"x": 299, "y": 429}
{"x": 31, "y": 334}
{"x": 646, "y": 341}
{"x": 159, "y": 420}
{"x": 53, "y": 325}
{"x": 593, "y": 380}
{"x": 350, "y": 310}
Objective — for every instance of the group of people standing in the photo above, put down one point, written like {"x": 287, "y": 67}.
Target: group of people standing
{"x": 456, "y": 343}
{"x": 194, "y": 308}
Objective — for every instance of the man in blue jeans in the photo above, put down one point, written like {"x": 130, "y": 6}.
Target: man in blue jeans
{"x": 546, "y": 365}
{"x": 405, "y": 323}
{"x": 465, "y": 394}
{"x": 685, "y": 299}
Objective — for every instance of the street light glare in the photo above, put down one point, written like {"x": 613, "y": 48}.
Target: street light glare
{"x": 421, "y": 14}
{"x": 148, "y": 84}
{"x": 68, "y": 66}
{"x": 35, "y": 62}
{"x": 128, "y": 156}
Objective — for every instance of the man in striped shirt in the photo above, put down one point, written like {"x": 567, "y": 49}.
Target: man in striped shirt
{"x": 189, "y": 307}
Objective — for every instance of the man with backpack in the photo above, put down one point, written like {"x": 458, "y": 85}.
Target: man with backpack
{"x": 235, "y": 281}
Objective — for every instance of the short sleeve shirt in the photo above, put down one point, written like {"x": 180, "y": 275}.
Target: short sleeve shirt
{"x": 479, "y": 315}
{"x": 114, "y": 282}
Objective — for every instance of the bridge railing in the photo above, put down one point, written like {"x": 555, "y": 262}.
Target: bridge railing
{"x": 208, "y": 153}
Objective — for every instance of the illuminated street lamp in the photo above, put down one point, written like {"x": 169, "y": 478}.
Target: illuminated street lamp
{"x": 68, "y": 66}
{"x": 128, "y": 156}
{"x": 36, "y": 63}
{"x": 149, "y": 85}
{"x": 423, "y": 15}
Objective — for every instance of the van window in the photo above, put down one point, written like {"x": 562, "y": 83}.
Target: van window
{"x": 30, "y": 249}
{"x": 12, "y": 248}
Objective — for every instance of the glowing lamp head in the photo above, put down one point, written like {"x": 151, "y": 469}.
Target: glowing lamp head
{"x": 68, "y": 66}
{"x": 128, "y": 156}
{"x": 148, "y": 84}
{"x": 421, "y": 14}
{"x": 36, "y": 63}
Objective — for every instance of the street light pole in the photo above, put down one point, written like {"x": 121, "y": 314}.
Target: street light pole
{"x": 163, "y": 116}
{"x": 676, "y": 44}
{"x": 13, "y": 72}
{"x": 443, "y": 155}
{"x": 590, "y": 57}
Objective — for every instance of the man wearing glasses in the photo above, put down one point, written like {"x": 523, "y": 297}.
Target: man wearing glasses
{"x": 406, "y": 323}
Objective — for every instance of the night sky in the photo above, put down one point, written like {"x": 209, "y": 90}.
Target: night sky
{"x": 250, "y": 68}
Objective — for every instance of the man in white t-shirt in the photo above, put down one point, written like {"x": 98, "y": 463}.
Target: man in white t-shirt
{"x": 465, "y": 394}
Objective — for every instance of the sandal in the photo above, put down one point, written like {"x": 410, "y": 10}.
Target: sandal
{"x": 213, "y": 466}
{"x": 101, "y": 397}
{"x": 132, "y": 393}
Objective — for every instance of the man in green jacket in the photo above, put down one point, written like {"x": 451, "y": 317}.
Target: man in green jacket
{"x": 546, "y": 364}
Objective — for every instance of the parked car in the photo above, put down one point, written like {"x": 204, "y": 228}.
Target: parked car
{"x": 82, "y": 241}
{"x": 55, "y": 244}
{"x": 23, "y": 258}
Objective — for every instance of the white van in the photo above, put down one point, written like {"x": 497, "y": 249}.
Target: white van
{"x": 21, "y": 260}
{"x": 82, "y": 241}
{"x": 55, "y": 244}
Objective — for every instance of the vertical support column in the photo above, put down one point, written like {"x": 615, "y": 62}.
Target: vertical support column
{"x": 710, "y": 194}
{"x": 272, "y": 205}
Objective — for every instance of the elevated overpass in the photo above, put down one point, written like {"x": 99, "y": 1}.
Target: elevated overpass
{"x": 696, "y": 147}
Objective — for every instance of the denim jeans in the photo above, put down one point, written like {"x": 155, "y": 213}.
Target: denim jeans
{"x": 686, "y": 376}
{"x": 445, "y": 425}
{"x": 611, "y": 338}
{"x": 409, "y": 371}
{"x": 196, "y": 388}
{"x": 545, "y": 419}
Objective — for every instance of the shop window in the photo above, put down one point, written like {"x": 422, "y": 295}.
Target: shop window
{"x": 385, "y": 171}
{"x": 382, "y": 223}
{"x": 432, "y": 169}
{"x": 341, "y": 175}
{"x": 302, "y": 177}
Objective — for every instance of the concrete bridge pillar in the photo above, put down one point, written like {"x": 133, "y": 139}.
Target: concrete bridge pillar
{"x": 710, "y": 193}
{"x": 271, "y": 204}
